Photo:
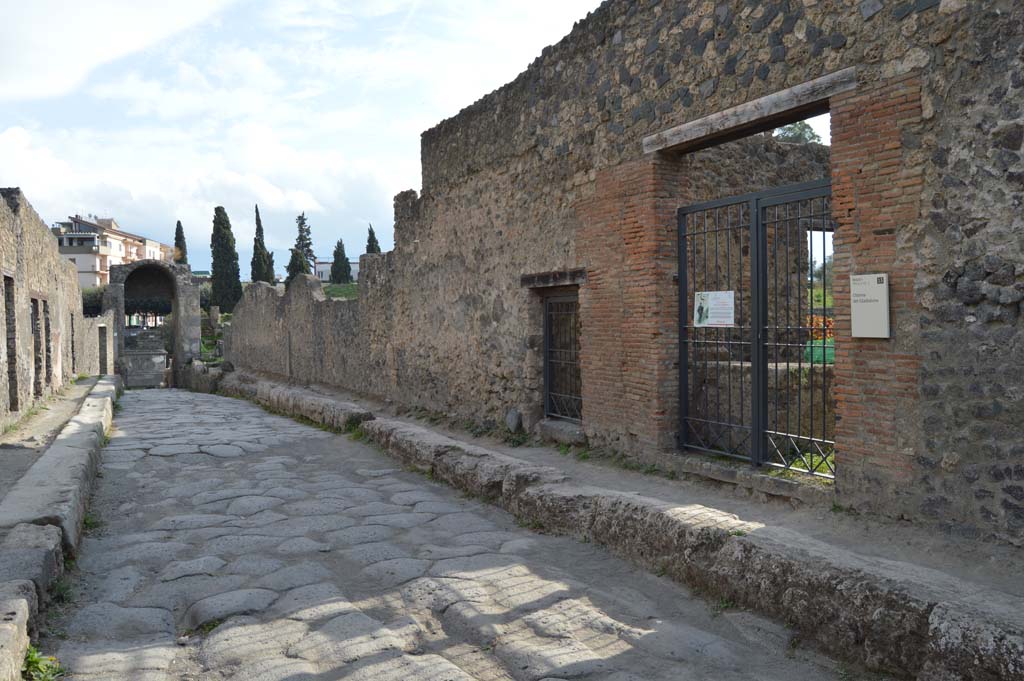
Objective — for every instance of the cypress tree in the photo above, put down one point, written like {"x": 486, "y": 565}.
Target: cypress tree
{"x": 262, "y": 259}
{"x": 371, "y": 242}
{"x": 297, "y": 265}
{"x": 341, "y": 271}
{"x": 225, "y": 281}
{"x": 304, "y": 241}
{"x": 180, "y": 247}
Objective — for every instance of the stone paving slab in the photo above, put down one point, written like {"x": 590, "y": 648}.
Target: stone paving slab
{"x": 461, "y": 592}
{"x": 923, "y": 622}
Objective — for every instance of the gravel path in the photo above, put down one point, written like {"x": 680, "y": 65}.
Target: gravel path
{"x": 240, "y": 545}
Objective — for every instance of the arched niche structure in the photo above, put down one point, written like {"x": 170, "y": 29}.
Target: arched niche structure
{"x": 158, "y": 278}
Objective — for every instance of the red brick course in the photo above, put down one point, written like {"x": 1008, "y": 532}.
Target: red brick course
{"x": 875, "y": 195}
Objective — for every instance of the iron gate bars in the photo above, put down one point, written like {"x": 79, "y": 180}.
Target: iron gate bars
{"x": 760, "y": 390}
{"x": 562, "y": 381}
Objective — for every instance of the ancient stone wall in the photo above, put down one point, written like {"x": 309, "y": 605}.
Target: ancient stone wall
{"x": 548, "y": 174}
{"x": 92, "y": 359}
{"x": 299, "y": 335}
{"x": 45, "y": 336}
{"x": 442, "y": 322}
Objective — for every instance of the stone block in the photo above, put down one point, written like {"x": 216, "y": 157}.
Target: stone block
{"x": 18, "y": 611}
{"x": 34, "y": 553}
{"x": 562, "y": 432}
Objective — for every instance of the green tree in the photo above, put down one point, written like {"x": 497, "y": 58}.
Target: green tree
{"x": 801, "y": 132}
{"x": 262, "y": 259}
{"x": 372, "y": 246}
{"x": 180, "y": 247}
{"x": 341, "y": 271}
{"x": 92, "y": 301}
{"x": 304, "y": 240}
{"x": 225, "y": 280}
{"x": 296, "y": 265}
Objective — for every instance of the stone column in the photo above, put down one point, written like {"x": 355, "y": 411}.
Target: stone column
{"x": 113, "y": 303}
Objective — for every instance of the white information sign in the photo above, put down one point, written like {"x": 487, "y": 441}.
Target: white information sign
{"x": 714, "y": 309}
{"x": 869, "y": 305}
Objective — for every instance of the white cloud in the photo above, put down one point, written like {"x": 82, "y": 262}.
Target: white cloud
{"x": 298, "y": 105}
{"x": 49, "y": 47}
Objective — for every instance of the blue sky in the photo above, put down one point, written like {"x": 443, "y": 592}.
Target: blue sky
{"x": 153, "y": 114}
{"x": 156, "y": 112}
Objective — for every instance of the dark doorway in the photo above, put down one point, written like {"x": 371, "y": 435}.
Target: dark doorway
{"x": 756, "y": 348}
{"x": 47, "y": 345}
{"x": 10, "y": 318}
{"x": 150, "y": 305}
{"x": 562, "y": 380}
{"x": 37, "y": 350}
{"x": 103, "y": 350}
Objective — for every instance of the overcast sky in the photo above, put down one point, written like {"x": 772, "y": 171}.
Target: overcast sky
{"x": 155, "y": 112}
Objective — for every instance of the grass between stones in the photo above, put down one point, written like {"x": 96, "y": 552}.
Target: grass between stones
{"x": 91, "y": 523}
{"x": 61, "y": 591}
{"x": 722, "y": 605}
{"x": 203, "y": 629}
{"x": 36, "y": 408}
{"x": 39, "y": 667}
{"x": 357, "y": 434}
{"x": 304, "y": 420}
{"x": 511, "y": 438}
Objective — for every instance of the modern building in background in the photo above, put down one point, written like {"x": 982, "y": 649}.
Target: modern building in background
{"x": 323, "y": 270}
{"x": 96, "y": 244}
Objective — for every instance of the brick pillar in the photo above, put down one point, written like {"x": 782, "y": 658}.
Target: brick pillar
{"x": 628, "y": 307}
{"x": 876, "y": 197}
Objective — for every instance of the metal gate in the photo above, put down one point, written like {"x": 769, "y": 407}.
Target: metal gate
{"x": 755, "y": 379}
{"x": 562, "y": 385}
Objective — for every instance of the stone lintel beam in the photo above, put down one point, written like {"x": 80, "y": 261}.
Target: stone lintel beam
{"x": 764, "y": 113}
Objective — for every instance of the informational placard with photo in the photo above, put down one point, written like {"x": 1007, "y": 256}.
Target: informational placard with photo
{"x": 714, "y": 309}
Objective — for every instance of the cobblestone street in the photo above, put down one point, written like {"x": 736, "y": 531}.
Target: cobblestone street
{"x": 236, "y": 544}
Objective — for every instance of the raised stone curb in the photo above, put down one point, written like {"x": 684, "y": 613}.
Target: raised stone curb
{"x": 892, "y": 617}
{"x": 32, "y": 552}
{"x": 55, "y": 490}
{"x": 293, "y": 401}
{"x": 476, "y": 470}
{"x": 41, "y": 519}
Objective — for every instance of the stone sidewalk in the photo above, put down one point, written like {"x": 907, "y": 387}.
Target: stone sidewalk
{"x": 241, "y": 545}
{"x": 22, "y": 445}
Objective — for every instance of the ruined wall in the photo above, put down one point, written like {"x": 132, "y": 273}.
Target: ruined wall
{"x": 89, "y": 355}
{"x": 442, "y": 322}
{"x": 547, "y": 174}
{"x": 297, "y": 334}
{"x": 40, "y": 290}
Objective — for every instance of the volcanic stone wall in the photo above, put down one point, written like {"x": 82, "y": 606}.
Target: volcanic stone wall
{"x": 46, "y": 339}
{"x": 547, "y": 174}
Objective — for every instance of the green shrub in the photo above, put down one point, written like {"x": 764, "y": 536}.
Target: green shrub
{"x": 39, "y": 667}
{"x": 820, "y": 352}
